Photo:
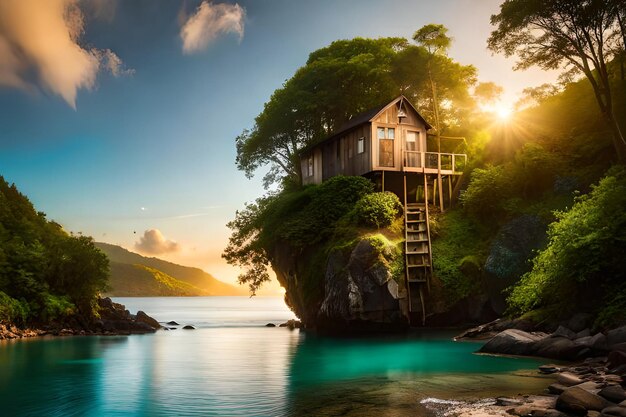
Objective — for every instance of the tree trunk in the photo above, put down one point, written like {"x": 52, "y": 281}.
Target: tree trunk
{"x": 618, "y": 137}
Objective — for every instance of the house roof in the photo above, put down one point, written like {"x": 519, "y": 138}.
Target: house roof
{"x": 365, "y": 117}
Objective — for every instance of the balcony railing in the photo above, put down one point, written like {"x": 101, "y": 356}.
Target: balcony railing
{"x": 416, "y": 160}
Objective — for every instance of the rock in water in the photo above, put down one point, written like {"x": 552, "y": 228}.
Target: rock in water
{"x": 142, "y": 317}
{"x": 172, "y": 323}
{"x": 577, "y": 401}
{"x": 511, "y": 342}
{"x": 270, "y": 325}
{"x": 189, "y": 327}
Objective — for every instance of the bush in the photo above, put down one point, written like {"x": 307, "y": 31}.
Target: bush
{"x": 584, "y": 259}
{"x": 458, "y": 253}
{"x": 57, "y": 307}
{"x": 488, "y": 189}
{"x": 377, "y": 209}
{"x": 12, "y": 310}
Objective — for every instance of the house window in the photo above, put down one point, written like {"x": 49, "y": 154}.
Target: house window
{"x": 386, "y": 146}
{"x": 310, "y": 166}
{"x": 360, "y": 145}
{"x": 413, "y": 158}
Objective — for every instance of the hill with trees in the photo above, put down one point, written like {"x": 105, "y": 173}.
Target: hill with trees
{"x": 133, "y": 275}
{"x": 538, "y": 224}
{"x": 46, "y": 274}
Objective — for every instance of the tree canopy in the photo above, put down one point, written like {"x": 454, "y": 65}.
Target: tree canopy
{"x": 44, "y": 272}
{"x": 338, "y": 82}
{"x": 578, "y": 35}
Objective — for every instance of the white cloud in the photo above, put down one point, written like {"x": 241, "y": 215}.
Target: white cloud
{"x": 153, "y": 242}
{"x": 209, "y": 21}
{"x": 39, "y": 48}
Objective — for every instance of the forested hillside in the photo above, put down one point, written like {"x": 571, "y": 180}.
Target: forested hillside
{"x": 45, "y": 273}
{"x": 538, "y": 224}
{"x": 133, "y": 275}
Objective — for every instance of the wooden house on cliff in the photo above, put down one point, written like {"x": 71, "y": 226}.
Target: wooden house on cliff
{"x": 388, "y": 145}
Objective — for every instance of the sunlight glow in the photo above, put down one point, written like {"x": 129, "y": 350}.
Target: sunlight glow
{"x": 503, "y": 111}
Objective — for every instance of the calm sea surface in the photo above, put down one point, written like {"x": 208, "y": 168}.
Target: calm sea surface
{"x": 234, "y": 366}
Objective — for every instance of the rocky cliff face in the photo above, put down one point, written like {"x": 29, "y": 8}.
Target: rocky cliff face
{"x": 344, "y": 289}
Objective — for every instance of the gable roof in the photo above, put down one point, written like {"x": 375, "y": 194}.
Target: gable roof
{"x": 366, "y": 117}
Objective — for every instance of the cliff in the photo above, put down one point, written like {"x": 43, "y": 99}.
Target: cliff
{"x": 350, "y": 288}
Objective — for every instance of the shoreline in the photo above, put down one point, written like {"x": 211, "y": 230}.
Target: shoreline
{"x": 114, "y": 320}
{"x": 581, "y": 388}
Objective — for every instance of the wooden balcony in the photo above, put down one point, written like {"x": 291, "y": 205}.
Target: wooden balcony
{"x": 433, "y": 162}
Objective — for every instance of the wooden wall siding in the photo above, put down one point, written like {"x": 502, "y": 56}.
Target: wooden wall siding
{"x": 316, "y": 178}
{"x": 387, "y": 119}
{"x": 340, "y": 156}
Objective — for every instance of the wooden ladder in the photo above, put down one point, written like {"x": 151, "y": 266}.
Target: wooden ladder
{"x": 417, "y": 251}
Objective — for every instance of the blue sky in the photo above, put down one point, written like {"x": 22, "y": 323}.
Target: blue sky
{"x": 155, "y": 149}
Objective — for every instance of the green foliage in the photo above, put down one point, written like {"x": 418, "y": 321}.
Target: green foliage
{"x": 585, "y": 254}
{"x": 503, "y": 190}
{"x": 377, "y": 209}
{"x": 338, "y": 82}
{"x": 582, "y": 35}
{"x": 57, "y": 307}
{"x": 486, "y": 192}
{"x": 459, "y": 251}
{"x": 300, "y": 218}
{"x": 613, "y": 311}
{"x": 12, "y": 310}
{"x": 47, "y": 270}
{"x": 128, "y": 280}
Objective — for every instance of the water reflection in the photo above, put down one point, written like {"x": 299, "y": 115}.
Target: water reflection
{"x": 245, "y": 371}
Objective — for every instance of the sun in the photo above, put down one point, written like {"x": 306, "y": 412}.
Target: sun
{"x": 503, "y": 111}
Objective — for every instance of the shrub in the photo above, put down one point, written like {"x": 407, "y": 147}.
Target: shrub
{"x": 377, "y": 209}
{"x": 12, "y": 310}
{"x": 486, "y": 192}
{"x": 584, "y": 259}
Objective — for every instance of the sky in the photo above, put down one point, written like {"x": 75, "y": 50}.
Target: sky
{"x": 118, "y": 118}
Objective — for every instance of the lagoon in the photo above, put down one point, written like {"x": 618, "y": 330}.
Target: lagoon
{"x": 232, "y": 365}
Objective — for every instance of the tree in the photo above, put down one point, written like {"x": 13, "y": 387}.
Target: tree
{"x": 338, "y": 82}
{"x": 579, "y": 35}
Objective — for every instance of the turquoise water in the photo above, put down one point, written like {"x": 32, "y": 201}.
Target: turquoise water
{"x": 234, "y": 366}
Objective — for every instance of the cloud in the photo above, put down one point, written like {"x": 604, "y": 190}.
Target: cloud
{"x": 209, "y": 21}
{"x": 153, "y": 242}
{"x": 39, "y": 49}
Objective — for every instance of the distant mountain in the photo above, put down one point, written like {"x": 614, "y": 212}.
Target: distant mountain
{"x": 136, "y": 275}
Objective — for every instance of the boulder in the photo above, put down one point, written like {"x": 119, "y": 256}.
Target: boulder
{"x": 563, "y": 331}
{"x": 614, "y": 411}
{"x": 142, "y": 317}
{"x": 619, "y": 346}
{"x": 511, "y": 342}
{"x": 291, "y": 324}
{"x": 577, "y": 401}
{"x": 172, "y": 323}
{"x": 189, "y": 327}
{"x": 568, "y": 379}
{"x": 267, "y": 325}
{"x": 548, "y": 369}
{"x": 583, "y": 333}
{"x": 615, "y": 336}
{"x": 556, "y": 388}
{"x": 557, "y": 348}
{"x": 613, "y": 393}
{"x": 360, "y": 294}
{"x": 579, "y": 322}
